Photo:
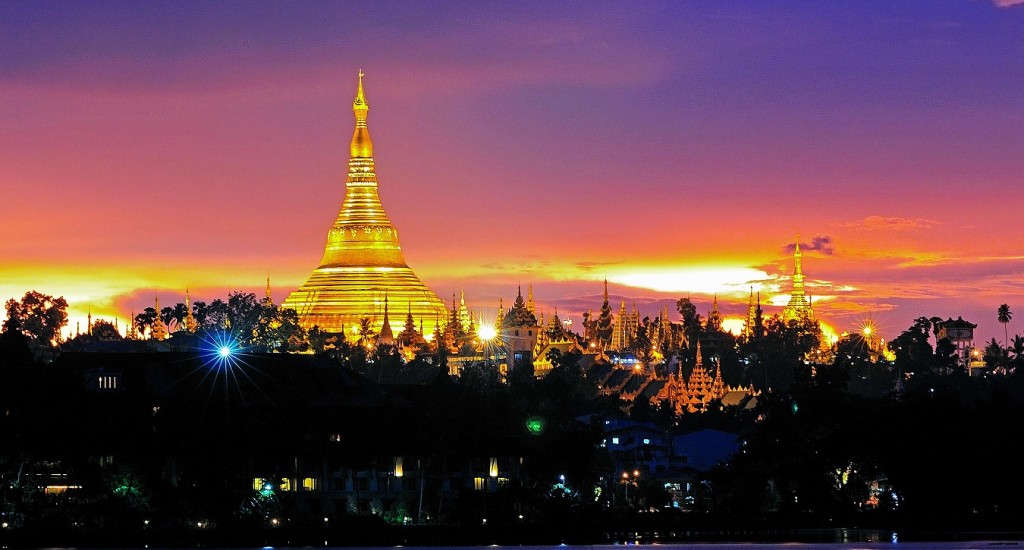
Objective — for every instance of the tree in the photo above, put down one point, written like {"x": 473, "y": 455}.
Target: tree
{"x": 105, "y": 331}
{"x": 366, "y": 332}
{"x": 641, "y": 344}
{"x": 1004, "y": 315}
{"x": 178, "y": 313}
{"x": 945, "y": 356}
{"x": 924, "y": 324}
{"x": 244, "y": 312}
{"x": 215, "y": 315}
{"x": 1018, "y": 347}
{"x": 913, "y": 352}
{"x": 199, "y": 311}
{"x": 39, "y": 315}
{"x": 1018, "y": 352}
{"x": 993, "y": 354}
{"x": 278, "y": 329}
{"x": 691, "y": 320}
{"x": 144, "y": 321}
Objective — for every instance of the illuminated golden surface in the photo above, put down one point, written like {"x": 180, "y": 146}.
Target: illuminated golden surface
{"x": 363, "y": 259}
{"x": 798, "y": 306}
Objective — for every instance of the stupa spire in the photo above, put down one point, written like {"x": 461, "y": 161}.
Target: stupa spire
{"x": 159, "y": 330}
{"x": 386, "y": 335}
{"x": 191, "y": 324}
{"x": 798, "y": 269}
{"x": 798, "y": 306}
{"x": 362, "y": 146}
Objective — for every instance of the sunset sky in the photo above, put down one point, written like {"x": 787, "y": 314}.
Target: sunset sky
{"x": 674, "y": 148}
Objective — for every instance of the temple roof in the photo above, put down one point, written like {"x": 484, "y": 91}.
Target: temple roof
{"x": 958, "y": 323}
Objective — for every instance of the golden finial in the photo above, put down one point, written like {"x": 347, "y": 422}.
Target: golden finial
{"x": 361, "y": 146}
{"x": 359, "y": 104}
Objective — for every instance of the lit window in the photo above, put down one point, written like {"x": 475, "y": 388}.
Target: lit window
{"x": 309, "y": 484}
{"x": 479, "y": 483}
{"x": 615, "y": 441}
{"x": 647, "y": 441}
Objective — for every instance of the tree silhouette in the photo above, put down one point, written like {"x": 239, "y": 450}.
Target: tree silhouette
{"x": 39, "y": 315}
{"x": 1004, "y": 315}
{"x": 105, "y": 331}
{"x": 144, "y": 321}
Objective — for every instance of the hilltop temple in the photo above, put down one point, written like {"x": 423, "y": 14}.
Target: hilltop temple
{"x": 363, "y": 267}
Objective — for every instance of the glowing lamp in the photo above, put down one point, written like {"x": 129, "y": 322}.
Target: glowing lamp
{"x": 487, "y": 333}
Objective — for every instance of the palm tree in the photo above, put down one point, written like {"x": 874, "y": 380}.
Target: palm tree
{"x": 1004, "y": 315}
{"x": 1018, "y": 347}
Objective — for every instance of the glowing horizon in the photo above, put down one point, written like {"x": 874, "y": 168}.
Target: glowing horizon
{"x": 674, "y": 149}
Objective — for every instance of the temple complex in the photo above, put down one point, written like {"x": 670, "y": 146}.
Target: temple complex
{"x": 362, "y": 265}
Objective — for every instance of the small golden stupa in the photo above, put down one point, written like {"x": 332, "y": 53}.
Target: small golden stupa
{"x": 363, "y": 266}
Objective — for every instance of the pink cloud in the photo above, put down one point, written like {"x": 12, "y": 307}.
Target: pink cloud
{"x": 893, "y": 223}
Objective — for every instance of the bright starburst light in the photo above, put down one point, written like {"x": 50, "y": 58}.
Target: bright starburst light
{"x": 224, "y": 369}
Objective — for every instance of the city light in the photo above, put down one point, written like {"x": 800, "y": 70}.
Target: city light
{"x": 486, "y": 333}
{"x": 535, "y": 425}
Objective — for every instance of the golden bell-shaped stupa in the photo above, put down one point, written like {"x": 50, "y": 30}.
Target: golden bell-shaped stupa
{"x": 363, "y": 265}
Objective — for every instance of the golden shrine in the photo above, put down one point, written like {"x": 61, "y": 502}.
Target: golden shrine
{"x": 799, "y": 306}
{"x": 363, "y": 266}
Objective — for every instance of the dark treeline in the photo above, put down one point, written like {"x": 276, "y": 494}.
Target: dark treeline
{"x": 915, "y": 443}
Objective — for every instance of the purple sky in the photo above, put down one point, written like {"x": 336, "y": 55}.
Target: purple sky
{"x": 147, "y": 147}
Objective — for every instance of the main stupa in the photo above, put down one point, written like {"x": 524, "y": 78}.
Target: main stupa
{"x": 363, "y": 267}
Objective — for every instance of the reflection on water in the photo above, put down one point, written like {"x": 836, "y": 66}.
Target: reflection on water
{"x": 893, "y": 544}
{"x": 823, "y": 539}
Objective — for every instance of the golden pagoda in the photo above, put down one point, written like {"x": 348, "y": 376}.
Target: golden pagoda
{"x": 799, "y": 307}
{"x": 363, "y": 263}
